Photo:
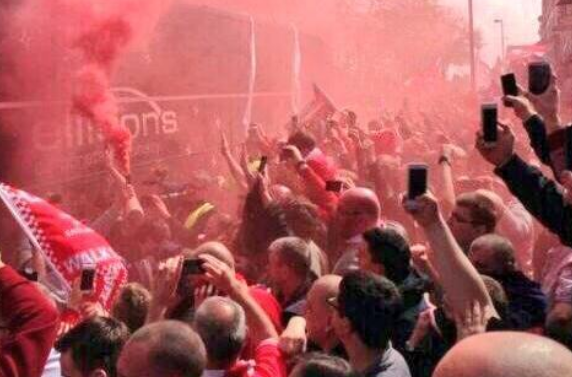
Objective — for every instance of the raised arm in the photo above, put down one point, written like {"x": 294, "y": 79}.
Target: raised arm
{"x": 457, "y": 276}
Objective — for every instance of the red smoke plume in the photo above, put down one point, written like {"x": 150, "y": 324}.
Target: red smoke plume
{"x": 101, "y": 45}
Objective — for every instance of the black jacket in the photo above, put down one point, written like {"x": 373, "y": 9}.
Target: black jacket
{"x": 540, "y": 196}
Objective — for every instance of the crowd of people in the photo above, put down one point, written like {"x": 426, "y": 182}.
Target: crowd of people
{"x": 308, "y": 259}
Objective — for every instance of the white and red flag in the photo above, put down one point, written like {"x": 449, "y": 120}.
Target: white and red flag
{"x": 67, "y": 245}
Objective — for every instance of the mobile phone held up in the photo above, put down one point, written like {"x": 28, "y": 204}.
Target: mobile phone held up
{"x": 263, "y": 163}
{"x": 193, "y": 267}
{"x": 489, "y": 120}
{"x": 417, "y": 186}
{"x": 334, "y": 186}
{"x": 87, "y": 279}
{"x": 539, "y": 76}
{"x": 509, "y": 87}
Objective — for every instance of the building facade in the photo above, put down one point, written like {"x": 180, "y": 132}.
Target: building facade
{"x": 556, "y": 35}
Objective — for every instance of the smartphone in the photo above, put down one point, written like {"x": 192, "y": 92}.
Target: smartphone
{"x": 192, "y": 267}
{"x": 334, "y": 186}
{"x": 489, "y": 119}
{"x": 539, "y": 74}
{"x": 568, "y": 149}
{"x": 29, "y": 274}
{"x": 87, "y": 279}
{"x": 417, "y": 180}
{"x": 509, "y": 87}
{"x": 263, "y": 163}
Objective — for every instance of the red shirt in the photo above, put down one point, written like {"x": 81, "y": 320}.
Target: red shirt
{"x": 33, "y": 322}
{"x": 268, "y": 362}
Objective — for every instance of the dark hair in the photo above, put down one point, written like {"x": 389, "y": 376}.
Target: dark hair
{"x": 132, "y": 305}
{"x": 173, "y": 349}
{"x": 503, "y": 249}
{"x": 483, "y": 211}
{"x": 388, "y": 247}
{"x": 322, "y": 365}
{"x": 302, "y": 141}
{"x": 95, "y": 344}
{"x": 372, "y": 304}
{"x": 498, "y": 296}
{"x": 293, "y": 252}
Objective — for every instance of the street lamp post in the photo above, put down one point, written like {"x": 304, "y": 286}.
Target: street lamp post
{"x": 472, "y": 47}
{"x": 503, "y": 47}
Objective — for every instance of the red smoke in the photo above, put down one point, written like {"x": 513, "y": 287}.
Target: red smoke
{"x": 101, "y": 47}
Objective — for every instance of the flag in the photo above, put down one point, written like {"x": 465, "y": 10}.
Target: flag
{"x": 67, "y": 245}
{"x": 321, "y": 108}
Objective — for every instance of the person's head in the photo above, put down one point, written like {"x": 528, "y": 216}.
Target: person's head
{"x": 165, "y": 349}
{"x": 559, "y": 324}
{"x": 506, "y": 354}
{"x": 386, "y": 252}
{"x": 303, "y": 141}
{"x": 322, "y": 365}
{"x": 492, "y": 255}
{"x": 214, "y": 249}
{"x": 92, "y": 347}
{"x": 474, "y": 215}
{"x": 303, "y": 218}
{"x": 367, "y": 309}
{"x": 221, "y": 324}
{"x": 319, "y": 313}
{"x": 132, "y": 305}
{"x": 288, "y": 262}
{"x": 498, "y": 296}
{"x": 358, "y": 211}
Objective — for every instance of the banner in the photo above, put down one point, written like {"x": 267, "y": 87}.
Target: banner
{"x": 320, "y": 109}
{"x": 67, "y": 245}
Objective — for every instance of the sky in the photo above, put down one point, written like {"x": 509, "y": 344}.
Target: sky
{"x": 520, "y": 20}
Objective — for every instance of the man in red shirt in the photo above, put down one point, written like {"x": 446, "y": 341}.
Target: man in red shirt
{"x": 31, "y": 321}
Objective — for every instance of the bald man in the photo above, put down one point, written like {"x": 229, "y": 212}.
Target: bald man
{"x": 358, "y": 211}
{"x": 506, "y": 354}
{"x": 163, "y": 349}
{"x": 221, "y": 323}
{"x": 319, "y": 315}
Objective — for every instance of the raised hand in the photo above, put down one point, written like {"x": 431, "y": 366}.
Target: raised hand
{"x": 472, "y": 322}
{"x": 502, "y": 150}
{"x": 424, "y": 209}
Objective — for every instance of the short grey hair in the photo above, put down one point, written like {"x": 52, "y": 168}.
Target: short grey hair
{"x": 221, "y": 323}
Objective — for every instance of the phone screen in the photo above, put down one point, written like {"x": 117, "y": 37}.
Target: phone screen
{"x": 509, "y": 86}
{"x": 263, "y": 162}
{"x": 87, "y": 279}
{"x": 417, "y": 180}
{"x": 334, "y": 186}
{"x": 568, "y": 149}
{"x": 539, "y": 74}
{"x": 489, "y": 118}
{"x": 193, "y": 267}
